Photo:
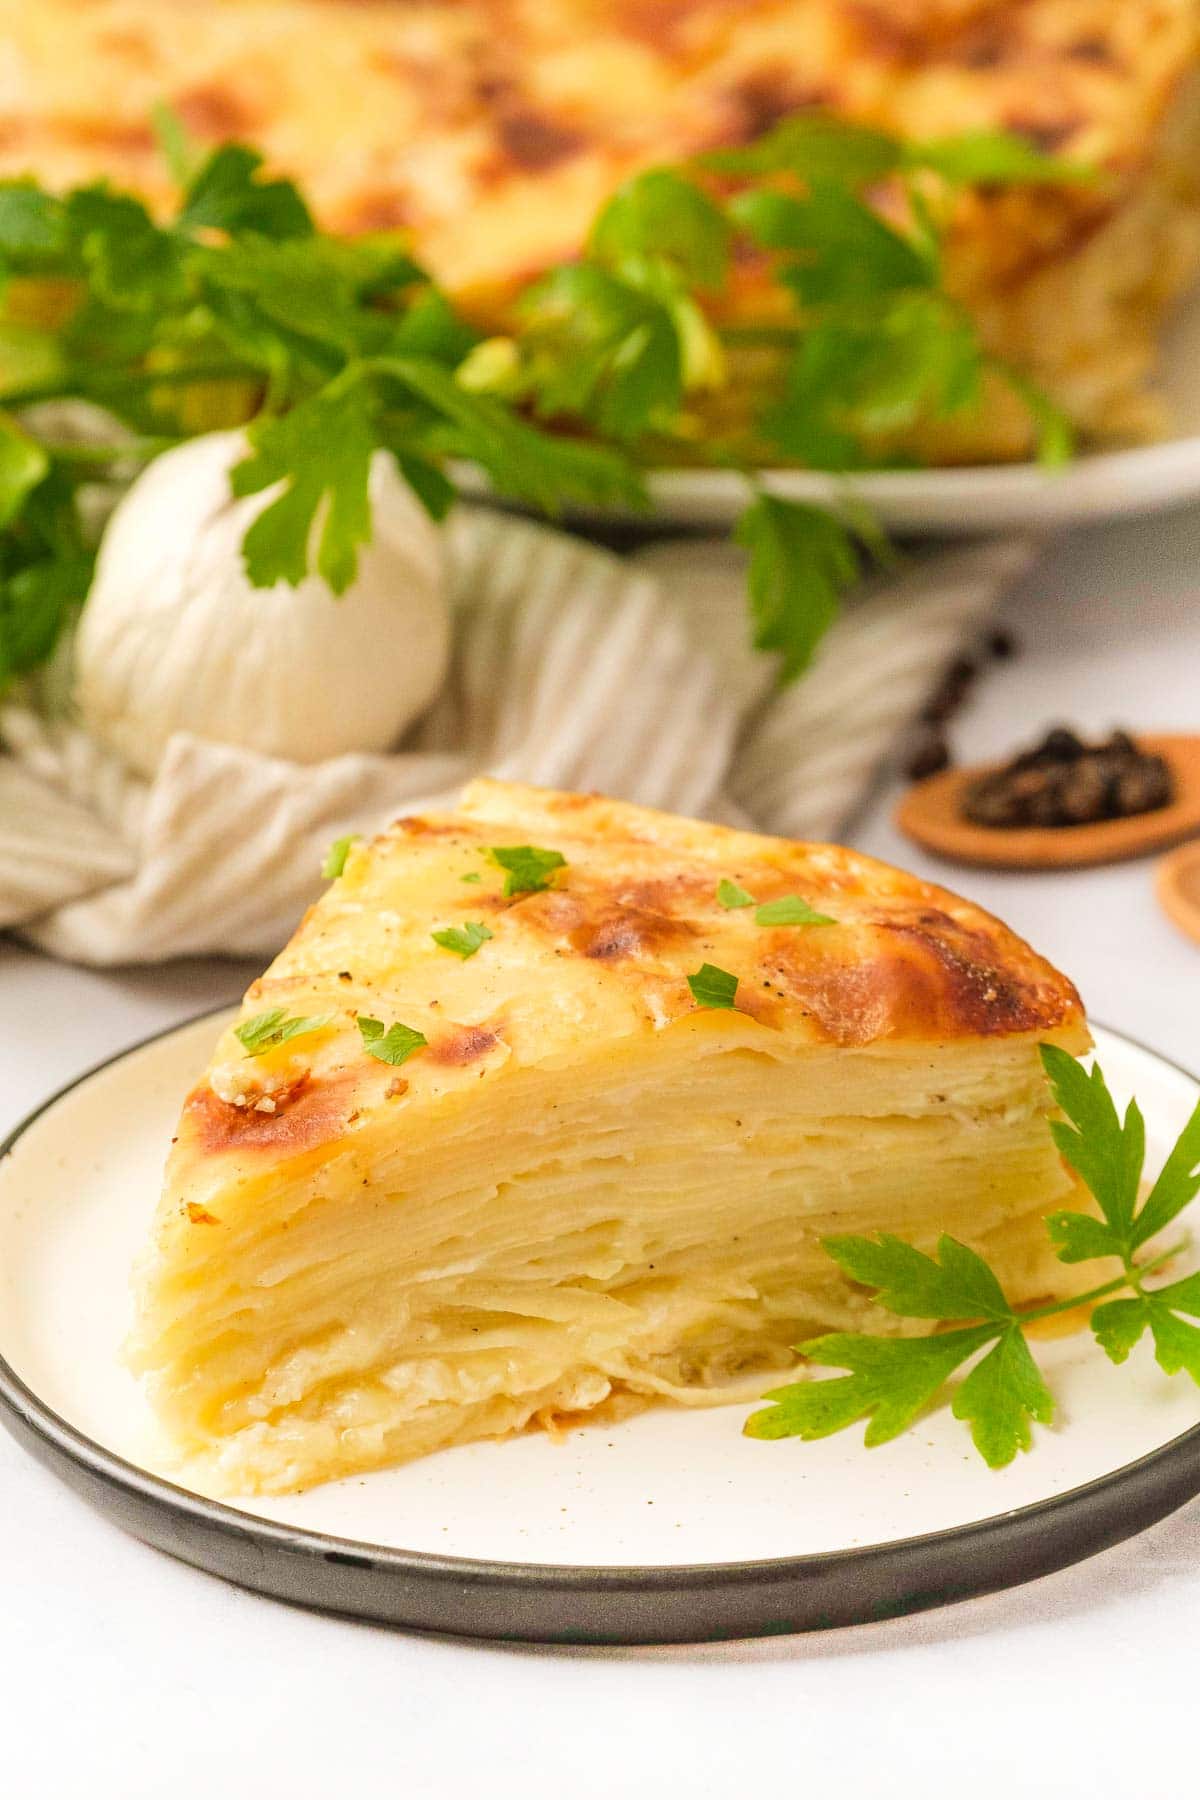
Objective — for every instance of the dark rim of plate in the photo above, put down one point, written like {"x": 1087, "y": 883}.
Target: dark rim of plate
{"x": 607, "y": 1604}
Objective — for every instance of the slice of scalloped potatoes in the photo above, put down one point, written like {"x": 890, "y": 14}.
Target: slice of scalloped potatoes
{"x": 584, "y": 1189}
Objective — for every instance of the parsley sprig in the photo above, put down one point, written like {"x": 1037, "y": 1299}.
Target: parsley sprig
{"x": 238, "y": 311}
{"x": 792, "y": 909}
{"x": 463, "y": 940}
{"x": 336, "y": 855}
{"x": 891, "y": 1381}
{"x": 267, "y": 1030}
{"x": 714, "y": 989}
{"x": 527, "y": 867}
{"x": 391, "y": 1044}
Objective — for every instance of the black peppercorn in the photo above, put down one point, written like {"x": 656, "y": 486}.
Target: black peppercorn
{"x": 950, "y": 692}
{"x": 1060, "y": 745}
{"x": 930, "y": 754}
{"x": 1064, "y": 781}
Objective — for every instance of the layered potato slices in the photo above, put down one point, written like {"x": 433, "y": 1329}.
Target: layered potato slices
{"x": 592, "y": 1182}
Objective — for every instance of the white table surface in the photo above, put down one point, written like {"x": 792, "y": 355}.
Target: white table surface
{"x": 124, "y": 1674}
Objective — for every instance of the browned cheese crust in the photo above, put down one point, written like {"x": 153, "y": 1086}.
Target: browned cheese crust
{"x": 602, "y": 955}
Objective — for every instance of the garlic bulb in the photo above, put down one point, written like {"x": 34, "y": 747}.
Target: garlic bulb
{"x": 174, "y": 638}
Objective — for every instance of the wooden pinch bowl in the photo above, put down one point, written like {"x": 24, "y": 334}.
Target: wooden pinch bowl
{"x": 930, "y": 814}
{"x": 1177, "y": 884}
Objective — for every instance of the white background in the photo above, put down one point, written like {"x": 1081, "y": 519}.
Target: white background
{"x": 125, "y": 1675}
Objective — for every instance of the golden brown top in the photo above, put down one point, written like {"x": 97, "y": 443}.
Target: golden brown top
{"x": 598, "y": 959}
{"x": 494, "y": 129}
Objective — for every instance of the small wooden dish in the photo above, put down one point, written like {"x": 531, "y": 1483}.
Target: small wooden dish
{"x": 1177, "y": 884}
{"x": 930, "y": 815}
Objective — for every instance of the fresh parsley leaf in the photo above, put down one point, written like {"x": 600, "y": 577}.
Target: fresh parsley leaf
{"x": 915, "y": 1286}
{"x": 999, "y": 1398}
{"x": 854, "y": 384}
{"x": 465, "y": 940}
{"x": 1176, "y": 1343}
{"x": 814, "y": 420}
{"x": 133, "y": 265}
{"x": 660, "y": 213}
{"x": 45, "y": 557}
{"x": 394, "y": 1045}
{"x": 303, "y": 303}
{"x": 33, "y": 225}
{"x": 521, "y": 461}
{"x": 1176, "y": 1187}
{"x": 268, "y": 1029}
{"x": 1120, "y": 1324}
{"x": 979, "y": 157}
{"x": 731, "y": 896}
{"x": 36, "y": 603}
{"x": 1106, "y": 1153}
{"x": 1077, "y": 1237}
{"x": 322, "y": 451}
{"x": 1055, "y": 432}
{"x": 801, "y": 559}
{"x": 603, "y": 350}
{"x": 840, "y": 249}
{"x": 891, "y": 1381}
{"x": 227, "y": 194}
{"x": 30, "y": 358}
{"x": 713, "y": 988}
{"x": 894, "y": 1380}
{"x": 257, "y": 1032}
{"x": 791, "y": 911}
{"x": 430, "y": 328}
{"x": 175, "y": 144}
{"x": 528, "y": 869}
{"x": 23, "y": 464}
{"x": 436, "y": 492}
{"x": 335, "y": 856}
{"x": 813, "y": 146}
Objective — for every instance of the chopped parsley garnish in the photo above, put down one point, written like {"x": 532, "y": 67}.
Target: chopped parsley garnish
{"x": 463, "y": 940}
{"x": 891, "y": 1381}
{"x": 473, "y": 877}
{"x": 267, "y": 1029}
{"x": 528, "y": 869}
{"x": 791, "y": 910}
{"x": 713, "y": 987}
{"x": 730, "y": 895}
{"x": 335, "y": 857}
{"x": 394, "y": 1045}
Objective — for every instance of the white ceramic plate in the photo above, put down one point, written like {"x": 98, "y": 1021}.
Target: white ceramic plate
{"x": 671, "y": 1525}
{"x": 961, "y": 502}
